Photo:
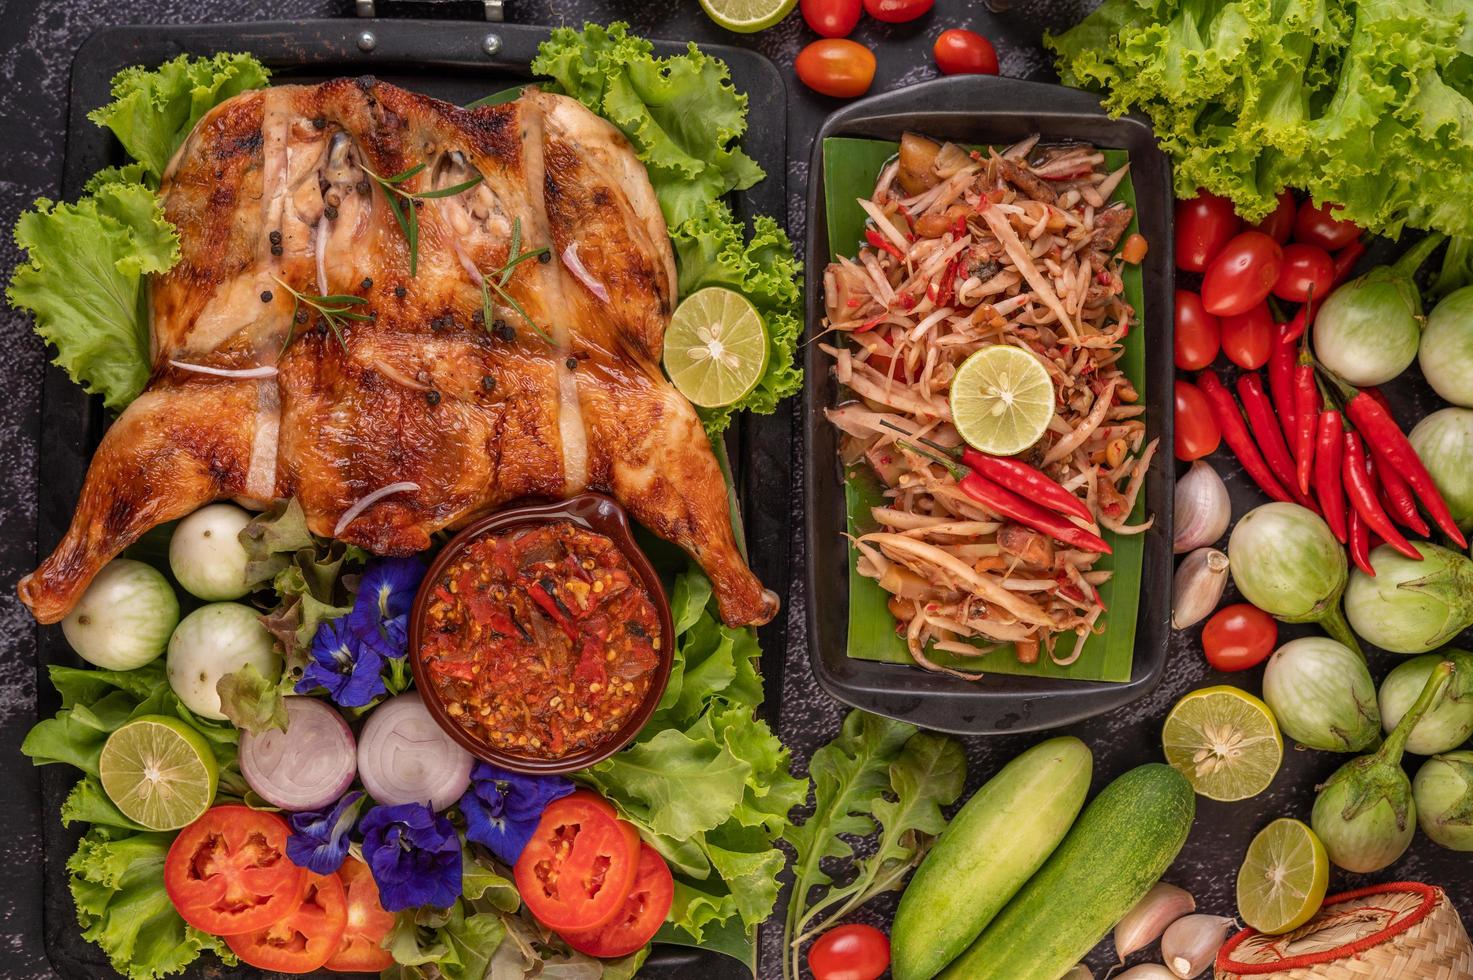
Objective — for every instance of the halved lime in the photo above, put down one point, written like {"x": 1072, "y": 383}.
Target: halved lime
{"x": 1225, "y": 741}
{"x": 1001, "y": 400}
{"x": 715, "y": 347}
{"x": 1282, "y": 882}
{"x": 747, "y": 16}
{"x": 159, "y": 772}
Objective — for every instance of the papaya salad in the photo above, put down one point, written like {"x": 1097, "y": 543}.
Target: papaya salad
{"x": 978, "y": 335}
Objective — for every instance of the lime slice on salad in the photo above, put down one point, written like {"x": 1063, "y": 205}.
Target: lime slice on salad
{"x": 1002, "y": 400}
{"x": 159, "y": 772}
{"x": 715, "y": 347}
{"x": 747, "y": 16}
{"x": 1225, "y": 741}
{"x": 1282, "y": 882}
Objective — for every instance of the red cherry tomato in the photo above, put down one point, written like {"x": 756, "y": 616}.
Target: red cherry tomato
{"x": 1316, "y": 225}
{"x": 1198, "y": 333}
{"x": 1239, "y": 636}
{"x": 1204, "y": 224}
{"x": 637, "y": 922}
{"x": 831, "y": 18}
{"x": 961, "y": 52}
{"x": 852, "y": 952}
{"x": 834, "y": 66}
{"x": 1196, "y": 430}
{"x": 1248, "y": 338}
{"x": 1307, "y": 271}
{"x": 1242, "y": 274}
{"x": 897, "y": 11}
{"x": 1279, "y": 224}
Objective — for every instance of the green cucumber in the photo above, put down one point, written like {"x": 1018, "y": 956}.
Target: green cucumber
{"x": 996, "y": 841}
{"x": 1121, "y": 845}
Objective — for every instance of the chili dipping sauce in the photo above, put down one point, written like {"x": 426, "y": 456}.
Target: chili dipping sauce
{"x": 541, "y": 640}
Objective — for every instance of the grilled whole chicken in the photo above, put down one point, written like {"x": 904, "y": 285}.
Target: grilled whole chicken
{"x": 425, "y": 412}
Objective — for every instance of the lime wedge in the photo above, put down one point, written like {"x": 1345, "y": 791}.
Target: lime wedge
{"x": 715, "y": 347}
{"x": 1225, "y": 741}
{"x": 159, "y": 772}
{"x": 747, "y": 16}
{"x": 1282, "y": 882}
{"x": 1001, "y": 400}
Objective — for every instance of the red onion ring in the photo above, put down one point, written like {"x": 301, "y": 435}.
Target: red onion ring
{"x": 306, "y": 767}
{"x": 255, "y": 372}
{"x": 351, "y": 514}
{"x": 580, "y": 272}
{"x": 404, "y": 756}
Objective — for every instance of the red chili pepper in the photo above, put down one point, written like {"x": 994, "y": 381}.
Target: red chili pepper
{"x": 959, "y": 226}
{"x": 871, "y": 324}
{"x": 1281, "y": 380}
{"x": 1002, "y": 501}
{"x": 1235, "y": 433}
{"x": 1306, "y": 411}
{"x": 1361, "y": 488}
{"x": 878, "y": 240}
{"x": 1345, "y": 260}
{"x": 1266, "y": 432}
{"x": 1397, "y": 495}
{"x": 1327, "y": 479}
{"x": 1394, "y": 451}
{"x": 1359, "y": 541}
{"x": 1018, "y": 476}
{"x": 1301, "y": 321}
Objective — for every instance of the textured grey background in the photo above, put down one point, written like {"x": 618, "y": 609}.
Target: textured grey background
{"x": 37, "y": 41}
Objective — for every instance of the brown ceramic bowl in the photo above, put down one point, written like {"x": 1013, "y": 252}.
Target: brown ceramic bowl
{"x": 594, "y": 512}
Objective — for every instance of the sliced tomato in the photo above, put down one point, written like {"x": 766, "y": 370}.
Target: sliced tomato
{"x": 360, "y": 950}
{"x": 228, "y": 874}
{"x": 305, "y": 939}
{"x": 640, "y": 917}
{"x": 580, "y": 864}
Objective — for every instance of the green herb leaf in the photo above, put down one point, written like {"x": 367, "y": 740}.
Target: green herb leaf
{"x": 253, "y": 703}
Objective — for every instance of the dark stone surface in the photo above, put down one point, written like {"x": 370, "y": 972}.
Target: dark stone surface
{"x": 37, "y": 41}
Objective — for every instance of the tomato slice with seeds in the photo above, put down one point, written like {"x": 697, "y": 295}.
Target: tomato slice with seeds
{"x": 305, "y": 939}
{"x": 638, "y": 919}
{"x": 580, "y": 864}
{"x": 227, "y": 873}
{"x": 360, "y": 950}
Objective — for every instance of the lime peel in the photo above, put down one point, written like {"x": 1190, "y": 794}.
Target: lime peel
{"x": 715, "y": 347}
{"x": 1002, "y": 400}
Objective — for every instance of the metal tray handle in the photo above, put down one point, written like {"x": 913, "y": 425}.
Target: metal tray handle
{"x": 494, "y": 9}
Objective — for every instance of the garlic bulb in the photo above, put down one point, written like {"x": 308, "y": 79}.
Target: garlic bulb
{"x": 1191, "y": 943}
{"x": 1202, "y": 510}
{"x": 1146, "y": 971}
{"x": 1197, "y": 587}
{"x": 1145, "y": 923}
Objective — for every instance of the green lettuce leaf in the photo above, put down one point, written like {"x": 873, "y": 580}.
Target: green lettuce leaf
{"x": 252, "y": 702}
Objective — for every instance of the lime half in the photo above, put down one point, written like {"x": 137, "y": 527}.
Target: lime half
{"x": 715, "y": 347}
{"x": 1225, "y": 741}
{"x": 1282, "y": 882}
{"x": 1001, "y": 400}
{"x": 159, "y": 772}
{"x": 747, "y": 16}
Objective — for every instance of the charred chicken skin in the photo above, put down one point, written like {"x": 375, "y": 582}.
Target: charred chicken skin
{"x": 421, "y": 407}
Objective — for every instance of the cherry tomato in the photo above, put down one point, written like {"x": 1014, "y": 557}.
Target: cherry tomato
{"x": 1198, "y": 334}
{"x": 368, "y": 924}
{"x": 897, "y": 11}
{"x": 1316, "y": 225}
{"x": 1239, "y": 636}
{"x": 1204, "y": 224}
{"x": 1242, "y": 274}
{"x": 1307, "y": 271}
{"x": 852, "y": 952}
{"x": 580, "y": 864}
{"x": 961, "y": 52}
{"x": 305, "y": 939}
{"x": 1248, "y": 338}
{"x": 227, "y": 873}
{"x": 831, "y": 18}
{"x": 1279, "y": 224}
{"x": 1196, "y": 430}
{"x": 640, "y": 918}
{"x": 834, "y": 66}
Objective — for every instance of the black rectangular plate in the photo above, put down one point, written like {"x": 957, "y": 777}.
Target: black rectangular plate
{"x": 981, "y": 109}
{"x": 447, "y": 60}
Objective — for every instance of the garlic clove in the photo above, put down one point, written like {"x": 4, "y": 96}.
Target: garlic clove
{"x": 1197, "y": 587}
{"x": 1191, "y": 943}
{"x": 1202, "y": 509}
{"x": 1145, "y": 923}
{"x": 1146, "y": 971}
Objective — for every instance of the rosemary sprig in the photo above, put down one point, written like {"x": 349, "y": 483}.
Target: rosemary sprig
{"x": 406, "y": 212}
{"x": 497, "y": 281}
{"x": 334, "y": 309}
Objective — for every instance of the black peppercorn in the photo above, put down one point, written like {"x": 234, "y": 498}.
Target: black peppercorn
{"x": 400, "y": 292}
{"x": 301, "y": 316}
{"x": 361, "y": 187}
{"x": 432, "y": 396}
{"x": 330, "y": 213}
{"x": 488, "y": 383}
{"x": 276, "y": 250}
{"x": 571, "y": 363}
{"x": 275, "y": 237}
{"x": 265, "y": 295}
{"x": 319, "y": 123}
{"x": 366, "y": 283}
{"x": 545, "y": 258}
{"x": 504, "y": 331}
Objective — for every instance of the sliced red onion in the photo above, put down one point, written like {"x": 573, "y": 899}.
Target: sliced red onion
{"x": 255, "y": 372}
{"x": 404, "y": 756}
{"x": 306, "y": 767}
{"x": 575, "y": 266}
{"x": 351, "y": 514}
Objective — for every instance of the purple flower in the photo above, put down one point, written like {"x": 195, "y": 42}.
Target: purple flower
{"x": 349, "y": 669}
{"x": 414, "y": 856}
{"x": 319, "y": 839}
{"x": 380, "y": 616}
{"x": 502, "y": 808}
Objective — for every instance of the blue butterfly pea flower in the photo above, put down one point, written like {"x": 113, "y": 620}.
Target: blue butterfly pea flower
{"x": 380, "y": 616}
{"x": 350, "y": 670}
{"x": 502, "y": 808}
{"x": 414, "y": 856}
{"x": 319, "y": 838}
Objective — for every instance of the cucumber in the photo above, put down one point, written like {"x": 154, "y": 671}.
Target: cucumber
{"x": 993, "y": 845}
{"x": 1120, "y": 846}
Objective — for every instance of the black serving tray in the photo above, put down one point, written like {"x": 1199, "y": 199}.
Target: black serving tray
{"x": 454, "y": 60}
{"x": 986, "y": 109}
